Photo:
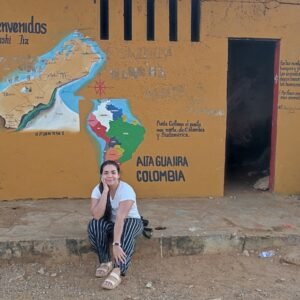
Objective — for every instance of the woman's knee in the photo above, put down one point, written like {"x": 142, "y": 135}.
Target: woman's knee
{"x": 90, "y": 225}
{"x": 132, "y": 228}
{"x": 97, "y": 226}
{"x": 93, "y": 225}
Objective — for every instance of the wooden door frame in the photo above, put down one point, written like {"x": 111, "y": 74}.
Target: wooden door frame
{"x": 274, "y": 106}
{"x": 274, "y": 115}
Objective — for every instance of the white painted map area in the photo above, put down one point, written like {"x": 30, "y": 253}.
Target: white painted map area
{"x": 58, "y": 117}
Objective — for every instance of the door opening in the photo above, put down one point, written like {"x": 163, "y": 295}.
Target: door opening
{"x": 250, "y": 93}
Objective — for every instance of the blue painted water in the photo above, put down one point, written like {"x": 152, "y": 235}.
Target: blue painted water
{"x": 67, "y": 91}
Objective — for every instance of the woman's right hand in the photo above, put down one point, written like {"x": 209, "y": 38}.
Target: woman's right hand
{"x": 119, "y": 255}
{"x": 105, "y": 186}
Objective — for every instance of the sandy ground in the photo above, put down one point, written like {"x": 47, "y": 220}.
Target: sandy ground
{"x": 207, "y": 277}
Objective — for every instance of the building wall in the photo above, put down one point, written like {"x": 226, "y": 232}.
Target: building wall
{"x": 166, "y": 100}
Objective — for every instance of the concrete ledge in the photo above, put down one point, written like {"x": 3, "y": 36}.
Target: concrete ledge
{"x": 189, "y": 245}
{"x": 256, "y": 242}
{"x": 57, "y": 229}
{"x": 64, "y": 248}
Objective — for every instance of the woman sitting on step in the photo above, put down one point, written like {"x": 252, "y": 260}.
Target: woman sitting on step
{"x": 116, "y": 222}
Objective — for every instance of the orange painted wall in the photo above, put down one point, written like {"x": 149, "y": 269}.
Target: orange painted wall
{"x": 167, "y": 81}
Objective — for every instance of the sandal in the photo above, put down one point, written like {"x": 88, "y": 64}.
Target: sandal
{"x": 113, "y": 280}
{"x": 104, "y": 269}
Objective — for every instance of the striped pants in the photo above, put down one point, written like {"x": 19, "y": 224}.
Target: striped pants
{"x": 100, "y": 234}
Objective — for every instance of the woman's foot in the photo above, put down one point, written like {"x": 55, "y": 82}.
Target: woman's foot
{"x": 104, "y": 269}
{"x": 113, "y": 280}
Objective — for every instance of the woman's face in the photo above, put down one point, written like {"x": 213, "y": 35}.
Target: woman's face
{"x": 110, "y": 175}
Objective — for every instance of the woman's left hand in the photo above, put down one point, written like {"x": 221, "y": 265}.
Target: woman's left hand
{"x": 119, "y": 254}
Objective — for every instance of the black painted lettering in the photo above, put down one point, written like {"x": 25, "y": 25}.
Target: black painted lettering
{"x": 139, "y": 162}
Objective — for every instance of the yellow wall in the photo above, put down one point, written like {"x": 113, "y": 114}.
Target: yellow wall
{"x": 162, "y": 81}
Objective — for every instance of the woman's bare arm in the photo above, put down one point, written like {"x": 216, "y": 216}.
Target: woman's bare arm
{"x": 123, "y": 210}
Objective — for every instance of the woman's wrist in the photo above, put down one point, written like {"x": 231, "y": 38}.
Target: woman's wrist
{"x": 116, "y": 244}
{"x": 105, "y": 191}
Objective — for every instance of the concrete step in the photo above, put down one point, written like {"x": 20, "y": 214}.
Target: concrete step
{"x": 157, "y": 246}
{"x": 56, "y": 228}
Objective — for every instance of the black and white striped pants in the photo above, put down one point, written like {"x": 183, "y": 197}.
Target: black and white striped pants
{"x": 100, "y": 234}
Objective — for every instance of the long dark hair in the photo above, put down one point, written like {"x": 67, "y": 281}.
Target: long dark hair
{"x": 107, "y": 213}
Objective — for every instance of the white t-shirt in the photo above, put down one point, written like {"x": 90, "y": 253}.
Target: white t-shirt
{"x": 124, "y": 192}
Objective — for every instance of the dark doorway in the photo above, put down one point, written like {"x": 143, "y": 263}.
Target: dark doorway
{"x": 250, "y": 92}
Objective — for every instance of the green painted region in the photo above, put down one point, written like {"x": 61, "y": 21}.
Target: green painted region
{"x": 35, "y": 111}
{"x": 128, "y": 135}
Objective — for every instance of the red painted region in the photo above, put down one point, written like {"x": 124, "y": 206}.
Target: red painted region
{"x": 92, "y": 120}
{"x": 100, "y": 130}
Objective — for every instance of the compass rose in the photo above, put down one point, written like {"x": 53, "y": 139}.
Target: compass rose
{"x": 100, "y": 87}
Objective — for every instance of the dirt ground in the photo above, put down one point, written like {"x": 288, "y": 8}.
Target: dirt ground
{"x": 207, "y": 277}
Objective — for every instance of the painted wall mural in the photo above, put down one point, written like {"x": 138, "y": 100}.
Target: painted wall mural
{"x": 117, "y": 132}
{"x": 73, "y": 95}
{"x": 75, "y": 100}
{"x": 44, "y": 97}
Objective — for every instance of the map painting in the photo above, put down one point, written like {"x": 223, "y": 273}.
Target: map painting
{"x": 117, "y": 132}
{"x": 44, "y": 98}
